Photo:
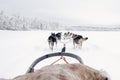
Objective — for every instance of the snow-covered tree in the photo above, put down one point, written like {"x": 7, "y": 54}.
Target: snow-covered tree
{"x": 16, "y": 22}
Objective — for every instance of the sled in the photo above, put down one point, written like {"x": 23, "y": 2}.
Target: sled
{"x": 60, "y": 72}
{"x": 62, "y": 53}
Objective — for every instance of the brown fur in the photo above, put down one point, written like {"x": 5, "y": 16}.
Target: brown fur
{"x": 64, "y": 72}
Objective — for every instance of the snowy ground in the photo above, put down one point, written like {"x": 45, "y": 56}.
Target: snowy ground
{"x": 18, "y": 49}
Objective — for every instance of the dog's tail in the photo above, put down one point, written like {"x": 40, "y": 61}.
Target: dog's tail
{"x": 84, "y": 39}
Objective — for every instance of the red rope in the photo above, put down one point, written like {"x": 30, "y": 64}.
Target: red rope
{"x": 55, "y": 61}
{"x": 63, "y": 58}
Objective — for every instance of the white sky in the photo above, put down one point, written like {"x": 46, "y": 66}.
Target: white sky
{"x": 73, "y": 12}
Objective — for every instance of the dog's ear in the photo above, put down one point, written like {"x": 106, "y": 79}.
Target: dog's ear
{"x": 52, "y": 33}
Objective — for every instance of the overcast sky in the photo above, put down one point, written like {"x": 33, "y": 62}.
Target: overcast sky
{"x": 72, "y": 12}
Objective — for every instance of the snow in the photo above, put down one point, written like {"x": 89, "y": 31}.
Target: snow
{"x": 18, "y": 49}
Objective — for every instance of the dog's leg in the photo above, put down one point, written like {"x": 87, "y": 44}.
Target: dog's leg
{"x": 56, "y": 43}
{"x": 52, "y": 45}
{"x": 80, "y": 43}
{"x": 74, "y": 44}
{"x": 49, "y": 43}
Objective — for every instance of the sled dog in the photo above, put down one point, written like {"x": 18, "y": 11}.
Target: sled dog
{"x": 58, "y": 35}
{"x": 52, "y": 40}
{"x": 78, "y": 40}
{"x": 68, "y": 35}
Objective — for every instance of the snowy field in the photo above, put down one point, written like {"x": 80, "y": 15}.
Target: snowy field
{"x": 18, "y": 49}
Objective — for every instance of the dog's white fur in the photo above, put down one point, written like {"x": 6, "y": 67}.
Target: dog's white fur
{"x": 64, "y": 72}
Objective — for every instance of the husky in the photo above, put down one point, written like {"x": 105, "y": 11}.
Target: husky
{"x": 58, "y": 35}
{"x": 78, "y": 40}
{"x": 52, "y": 40}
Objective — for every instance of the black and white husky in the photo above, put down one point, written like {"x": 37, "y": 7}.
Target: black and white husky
{"x": 78, "y": 40}
{"x": 52, "y": 40}
{"x": 58, "y": 35}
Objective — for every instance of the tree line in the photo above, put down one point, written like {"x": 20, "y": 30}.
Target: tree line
{"x": 16, "y": 22}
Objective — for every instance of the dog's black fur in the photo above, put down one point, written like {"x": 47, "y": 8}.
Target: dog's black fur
{"x": 58, "y": 35}
{"x": 78, "y": 39}
{"x": 52, "y": 39}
